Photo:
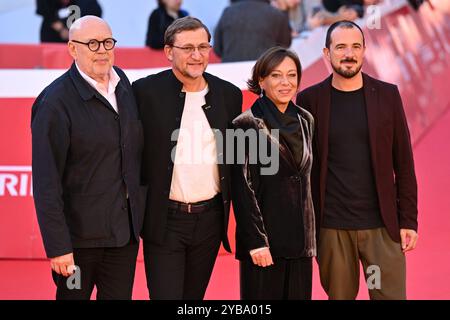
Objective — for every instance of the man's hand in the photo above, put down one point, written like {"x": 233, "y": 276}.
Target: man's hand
{"x": 409, "y": 239}
{"x": 262, "y": 258}
{"x": 61, "y": 264}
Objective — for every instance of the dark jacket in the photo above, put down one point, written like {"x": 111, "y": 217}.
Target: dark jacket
{"x": 161, "y": 102}
{"x": 390, "y": 146}
{"x": 158, "y": 23}
{"x": 247, "y": 28}
{"x": 274, "y": 210}
{"x": 48, "y": 9}
{"x": 86, "y": 158}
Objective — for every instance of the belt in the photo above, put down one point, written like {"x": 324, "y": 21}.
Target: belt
{"x": 196, "y": 207}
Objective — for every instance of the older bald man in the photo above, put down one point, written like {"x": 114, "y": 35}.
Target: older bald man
{"x": 87, "y": 140}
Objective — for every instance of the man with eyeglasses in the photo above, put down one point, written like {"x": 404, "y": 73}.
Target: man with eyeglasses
{"x": 188, "y": 200}
{"x": 87, "y": 142}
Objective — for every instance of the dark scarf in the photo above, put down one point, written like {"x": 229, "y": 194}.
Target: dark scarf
{"x": 289, "y": 125}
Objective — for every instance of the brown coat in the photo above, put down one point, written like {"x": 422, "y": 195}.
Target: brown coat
{"x": 390, "y": 145}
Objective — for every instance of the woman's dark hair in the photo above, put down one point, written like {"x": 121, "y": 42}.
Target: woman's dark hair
{"x": 267, "y": 62}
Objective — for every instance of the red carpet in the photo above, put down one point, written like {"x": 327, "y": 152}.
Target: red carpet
{"x": 428, "y": 266}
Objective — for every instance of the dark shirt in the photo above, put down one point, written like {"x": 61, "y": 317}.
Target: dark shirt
{"x": 158, "y": 23}
{"x": 351, "y": 200}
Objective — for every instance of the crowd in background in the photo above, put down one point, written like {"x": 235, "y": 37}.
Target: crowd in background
{"x": 245, "y": 30}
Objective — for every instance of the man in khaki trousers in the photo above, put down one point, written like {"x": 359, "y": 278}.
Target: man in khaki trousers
{"x": 363, "y": 181}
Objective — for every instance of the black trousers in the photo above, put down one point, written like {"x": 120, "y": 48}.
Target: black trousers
{"x": 180, "y": 269}
{"x": 286, "y": 279}
{"x": 111, "y": 270}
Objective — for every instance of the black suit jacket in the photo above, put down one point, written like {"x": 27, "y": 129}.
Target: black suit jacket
{"x": 161, "y": 101}
{"x": 86, "y": 158}
{"x": 390, "y": 146}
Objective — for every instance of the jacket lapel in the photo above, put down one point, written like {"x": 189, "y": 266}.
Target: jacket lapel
{"x": 322, "y": 129}
{"x": 175, "y": 104}
{"x": 122, "y": 102}
{"x": 85, "y": 89}
{"x": 323, "y": 120}
{"x": 212, "y": 109}
{"x": 371, "y": 97}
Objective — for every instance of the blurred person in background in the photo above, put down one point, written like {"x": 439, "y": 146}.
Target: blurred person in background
{"x": 247, "y": 28}
{"x": 416, "y": 3}
{"x": 292, "y": 8}
{"x": 353, "y": 9}
{"x": 160, "y": 19}
{"x": 55, "y": 14}
{"x": 305, "y": 15}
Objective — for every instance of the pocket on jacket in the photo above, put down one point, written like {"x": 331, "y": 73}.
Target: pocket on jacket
{"x": 86, "y": 216}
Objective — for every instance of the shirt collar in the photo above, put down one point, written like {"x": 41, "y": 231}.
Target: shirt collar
{"x": 114, "y": 79}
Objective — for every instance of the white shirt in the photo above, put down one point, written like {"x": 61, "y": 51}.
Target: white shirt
{"x": 196, "y": 173}
{"x": 110, "y": 92}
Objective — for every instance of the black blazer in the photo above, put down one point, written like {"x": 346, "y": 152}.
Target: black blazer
{"x": 86, "y": 158}
{"x": 161, "y": 102}
{"x": 390, "y": 145}
{"x": 274, "y": 210}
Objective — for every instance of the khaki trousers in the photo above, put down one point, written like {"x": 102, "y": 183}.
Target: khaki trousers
{"x": 339, "y": 256}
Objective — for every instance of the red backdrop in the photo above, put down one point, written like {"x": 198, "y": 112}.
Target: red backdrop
{"x": 409, "y": 50}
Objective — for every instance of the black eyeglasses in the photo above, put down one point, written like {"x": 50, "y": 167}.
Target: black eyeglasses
{"x": 203, "y": 48}
{"x": 94, "y": 44}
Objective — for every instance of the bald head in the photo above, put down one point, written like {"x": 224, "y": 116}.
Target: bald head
{"x": 88, "y": 26}
{"x": 96, "y": 63}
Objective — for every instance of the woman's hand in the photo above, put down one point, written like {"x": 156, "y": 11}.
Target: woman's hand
{"x": 262, "y": 257}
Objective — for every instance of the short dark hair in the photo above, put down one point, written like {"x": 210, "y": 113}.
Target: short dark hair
{"x": 267, "y": 62}
{"x": 183, "y": 24}
{"x": 346, "y": 24}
